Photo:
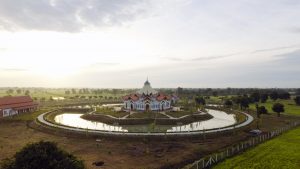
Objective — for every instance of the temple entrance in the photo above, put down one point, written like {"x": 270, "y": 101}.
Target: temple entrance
{"x": 131, "y": 107}
{"x": 147, "y": 107}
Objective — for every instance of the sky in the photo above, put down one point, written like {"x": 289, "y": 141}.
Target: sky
{"x": 119, "y": 43}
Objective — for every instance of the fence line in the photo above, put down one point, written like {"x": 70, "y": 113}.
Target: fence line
{"x": 211, "y": 160}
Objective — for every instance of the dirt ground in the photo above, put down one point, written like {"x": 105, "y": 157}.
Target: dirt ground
{"x": 128, "y": 153}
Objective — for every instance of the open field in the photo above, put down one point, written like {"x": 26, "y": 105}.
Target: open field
{"x": 125, "y": 153}
{"x": 289, "y": 105}
{"x": 115, "y": 153}
{"x": 281, "y": 152}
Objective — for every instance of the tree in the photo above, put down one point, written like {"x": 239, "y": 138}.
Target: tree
{"x": 244, "y": 102}
{"x": 67, "y": 92}
{"x": 261, "y": 110}
{"x": 284, "y": 95}
{"x": 228, "y": 103}
{"x": 215, "y": 93}
{"x": 255, "y": 96}
{"x": 278, "y": 108}
{"x": 297, "y": 100}
{"x": 27, "y": 92}
{"x": 298, "y": 92}
{"x": 200, "y": 100}
{"x": 264, "y": 97}
{"x": 19, "y": 91}
{"x": 73, "y": 91}
{"x": 45, "y": 155}
{"x": 274, "y": 95}
{"x": 10, "y": 91}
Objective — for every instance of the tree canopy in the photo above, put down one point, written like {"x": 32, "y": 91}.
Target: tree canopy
{"x": 42, "y": 155}
{"x": 278, "y": 108}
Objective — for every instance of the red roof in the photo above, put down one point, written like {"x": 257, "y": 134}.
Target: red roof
{"x": 161, "y": 97}
{"x": 17, "y": 102}
{"x": 133, "y": 97}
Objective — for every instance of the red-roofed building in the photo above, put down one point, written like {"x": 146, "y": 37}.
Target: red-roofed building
{"x": 13, "y": 105}
{"x": 148, "y": 99}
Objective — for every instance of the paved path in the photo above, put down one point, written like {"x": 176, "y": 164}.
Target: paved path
{"x": 164, "y": 113}
{"x": 40, "y": 119}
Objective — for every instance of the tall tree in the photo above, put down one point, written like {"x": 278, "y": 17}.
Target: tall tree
{"x": 244, "y": 102}
{"x": 278, "y": 108}
{"x": 261, "y": 110}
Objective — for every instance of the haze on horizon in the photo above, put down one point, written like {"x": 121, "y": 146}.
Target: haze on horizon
{"x": 117, "y": 44}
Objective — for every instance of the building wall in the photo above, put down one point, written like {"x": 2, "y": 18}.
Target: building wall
{"x": 154, "y": 105}
{"x": 11, "y": 112}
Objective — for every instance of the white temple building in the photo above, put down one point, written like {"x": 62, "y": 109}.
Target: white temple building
{"x": 148, "y": 99}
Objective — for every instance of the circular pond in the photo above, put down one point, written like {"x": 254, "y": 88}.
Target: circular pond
{"x": 221, "y": 121}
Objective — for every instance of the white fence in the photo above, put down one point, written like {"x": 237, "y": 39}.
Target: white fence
{"x": 208, "y": 162}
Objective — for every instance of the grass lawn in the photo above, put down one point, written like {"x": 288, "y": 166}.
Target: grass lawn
{"x": 178, "y": 114}
{"x": 281, "y": 152}
{"x": 147, "y": 115}
{"x": 111, "y": 112}
{"x": 289, "y": 105}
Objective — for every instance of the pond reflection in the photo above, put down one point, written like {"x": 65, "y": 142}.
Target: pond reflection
{"x": 220, "y": 119}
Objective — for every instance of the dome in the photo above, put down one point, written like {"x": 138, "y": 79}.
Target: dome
{"x": 147, "y": 89}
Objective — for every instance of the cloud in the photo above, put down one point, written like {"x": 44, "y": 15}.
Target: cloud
{"x": 206, "y": 58}
{"x": 13, "y": 70}
{"x": 275, "y": 49}
{"x": 215, "y": 57}
{"x": 68, "y": 15}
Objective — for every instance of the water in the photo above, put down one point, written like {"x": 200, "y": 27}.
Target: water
{"x": 220, "y": 119}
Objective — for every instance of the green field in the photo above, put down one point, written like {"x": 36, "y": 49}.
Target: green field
{"x": 281, "y": 152}
{"x": 289, "y": 105}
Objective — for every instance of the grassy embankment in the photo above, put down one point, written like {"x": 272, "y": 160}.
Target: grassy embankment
{"x": 281, "y": 152}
